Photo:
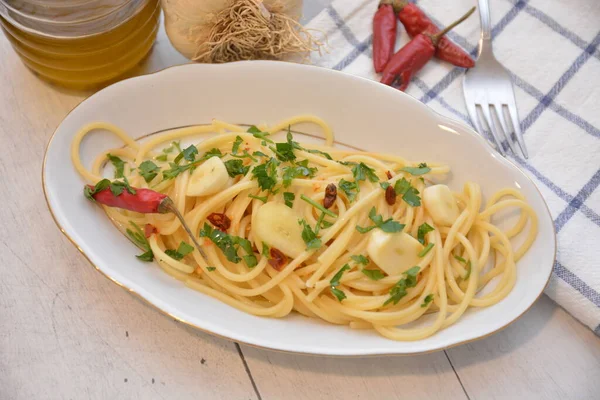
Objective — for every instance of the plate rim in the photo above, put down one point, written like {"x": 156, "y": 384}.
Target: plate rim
{"x": 435, "y": 114}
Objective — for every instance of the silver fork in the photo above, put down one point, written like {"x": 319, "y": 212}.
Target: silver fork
{"x": 489, "y": 93}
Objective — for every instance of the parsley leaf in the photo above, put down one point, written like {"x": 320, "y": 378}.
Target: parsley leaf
{"x": 420, "y": 170}
{"x": 335, "y": 281}
{"x": 389, "y": 225}
{"x": 230, "y": 244}
{"x": 300, "y": 170}
{"x": 265, "y": 250}
{"x": 309, "y": 236}
{"x": 408, "y": 192}
{"x": 118, "y": 164}
{"x": 236, "y": 144}
{"x": 401, "y": 186}
{"x": 462, "y": 260}
{"x": 210, "y": 269}
{"x": 424, "y": 229}
{"x": 183, "y": 250}
{"x": 148, "y": 170}
{"x": 362, "y": 172}
{"x": 411, "y": 197}
{"x": 398, "y": 291}
{"x": 236, "y": 167}
{"x": 117, "y": 187}
{"x": 318, "y": 206}
{"x": 373, "y": 274}
{"x": 285, "y": 151}
{"x": 98, "y": 187}
{"x": 178, "y": 169}
{"x": 469, "y": 267}
{"x": 257, "y": 133}
{"x": 139, "y": 239}
{"x": 289, "y": 198}
{"x": 319, "y": 152}
{"x": 424, "y": 252}
{"x": 428, "y": 299}
{"x": 360, "y": 259}
{"x": 266, "y": 174}
{"x": 162, "y": 157}
{"x": 259, "y": 154}
{"x": 384, "y": 185}
{"x": 349, "y": 188}
{"x": 189, "y": 153}
{"x": 261, "y": 198}
{"x": 365, "y": 229}
{"x": 339, "y": 294}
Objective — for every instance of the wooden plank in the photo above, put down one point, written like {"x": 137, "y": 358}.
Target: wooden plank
{"x": 65, "y": 330}
{"x": 281, "y": 375}
{"x": 544, "y": 355}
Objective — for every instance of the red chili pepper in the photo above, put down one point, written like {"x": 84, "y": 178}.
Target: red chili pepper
{"x": 415, "y": 21}
{"x": 384, "y": 34}
{"x": 413, "y": 56}
{"x": 143, "y": 201}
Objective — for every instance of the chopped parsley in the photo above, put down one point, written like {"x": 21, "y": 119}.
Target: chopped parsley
{"x": 349, "y": 188}
{"x": 148, "y": 170}
{"x": 335, "y": 282}
{"x": 408, "y": 192}
{"x": 183, "y": 250}
{"x": 266, "y": 174}
{"x": 318, "y": 206}
{"x": 363, "y": 172}
{"x": 424, "y": 229}
{"x": 117, "y": 187}
{"x": 299, "y": 170}
{"x": 398, "y": 291}
{"x": 259, "y": 154}
{"x": 426, "y": 250}
{"x": 285, "y": 151}
{"x": 230, "y": 245}
{"x": 236, "y": 144}
{"x": 467, "y": 265}
{"x": 384, "y": 185}
{"x": 389, "y": 225}
{"x": 360, "y": 259}
{"x": 265, "y": 250}
{"x": 420, "y": 170}
{"x": 309, "y": 236}
{"x": 118, "y": 164}
{"x": 98, "y": 187}
{"x": 162, "y": 157}
{"x": 319, "y": 152}
{"x": 257, "y": 133}
{"x": 428, "y": 299}
{"x": 210, "y": 269}
{"x": 137, "y": 236}
{"x": 373, "y": 274}
{"x": 339, "y": 294}
{"x": 177, "y": 169}
{"x": 289, "y": 198}
{"x": 236, "y": 167}
{"x": 261, "y": 198}
{"x": 189, "y": 153}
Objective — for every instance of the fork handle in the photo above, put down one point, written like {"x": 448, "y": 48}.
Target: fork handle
{"x": 484, "y": 15}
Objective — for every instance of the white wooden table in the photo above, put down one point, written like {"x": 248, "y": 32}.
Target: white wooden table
{"x": 68, "y": 333}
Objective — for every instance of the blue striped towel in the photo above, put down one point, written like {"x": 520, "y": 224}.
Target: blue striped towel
{"x": 551, "y": 49}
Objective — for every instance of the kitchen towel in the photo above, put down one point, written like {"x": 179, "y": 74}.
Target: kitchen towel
{"x": 550, "y": 48}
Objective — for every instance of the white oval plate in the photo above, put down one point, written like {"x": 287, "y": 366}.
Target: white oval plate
{"x": 362, "y": 113}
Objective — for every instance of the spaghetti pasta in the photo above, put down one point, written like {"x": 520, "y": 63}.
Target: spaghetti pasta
{"x": 364, "y": 259}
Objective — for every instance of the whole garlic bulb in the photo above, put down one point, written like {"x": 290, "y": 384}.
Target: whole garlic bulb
{"x": 190, "y": 24}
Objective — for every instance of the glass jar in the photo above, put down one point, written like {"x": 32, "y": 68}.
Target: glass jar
{"x": 80, "y": 44}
